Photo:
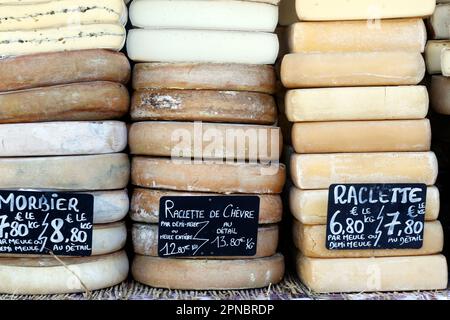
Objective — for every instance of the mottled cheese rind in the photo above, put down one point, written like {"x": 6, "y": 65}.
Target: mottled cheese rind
{"x": 440, "y": 94}
{"x": 433, "y": 55}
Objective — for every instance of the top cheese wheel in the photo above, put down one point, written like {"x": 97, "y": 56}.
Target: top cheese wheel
{"x": 200, "y": 14}
{"x": 205, "y": 76}
{"x": 48, "y": 69}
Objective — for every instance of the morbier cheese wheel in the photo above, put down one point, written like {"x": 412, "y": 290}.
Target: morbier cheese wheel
{"x": 202, "y": 46}
{"x": 357, "y": 103}
{"x": 310, "y": 207}
{"x": 93, "y": 172}
{"x": 209, "y": 15}
{"x": 440, "y": 94}
{"x": 439, "y": 22}
{"x": 333, "y": 69}
{"x": 361, "y": 136}
{"x": 49, "y": 14}
{"x": 47, "y": 69}
{"x": 205, "y": 76}
{"x": 145, "y": 241}
{"x": 373, "y": 274}
{"x": 145, "y": 205}
{"x": 50, "y": 276}
{"x": 192, "y": 274}
{"x": 358, "y": 36}
{"x": 207, "y": 176}
{"x": 62, "y": 138}
{"x": 203, "y": 105}
{"x": 207, "y": 140}
{"x": 311, "y": 241}
{"x": 445, "y": 62}
{"x": 82, "y": 37}
{"x": 433, "y": 55}
{"x": 319, "y": 171}
{"x": 110, "y": 206}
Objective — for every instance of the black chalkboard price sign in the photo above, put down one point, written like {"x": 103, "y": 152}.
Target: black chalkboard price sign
{"x": 376, "y": 216}
{"x": 208, "y": 226}
{"x": 40, "y": 222}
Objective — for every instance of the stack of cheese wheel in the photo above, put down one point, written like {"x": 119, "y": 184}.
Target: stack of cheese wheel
{"x": 359, "y": 118}
{"x": 204, "y": 61}
{"x": 62, "y": 87}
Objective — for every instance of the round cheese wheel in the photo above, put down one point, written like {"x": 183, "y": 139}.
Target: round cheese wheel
{"x": 228, "y": 141}
{"x": 191, "y": 274}
{"x": 145, "y": 205}
{"x": 94, "y": 172}
{"x": 205, "y": 76}
{"x": 440, "y": 94}
{"x": 145, "y": 241}
{"x": 51, "y": 276}
{"x": 203, "y": 105}
{"x": 207, "y": 176}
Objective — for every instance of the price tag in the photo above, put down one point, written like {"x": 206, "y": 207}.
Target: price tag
{"x": 376, "y": 216}
{"x": 208, "y": 226}
{"x": 40, "y": 222}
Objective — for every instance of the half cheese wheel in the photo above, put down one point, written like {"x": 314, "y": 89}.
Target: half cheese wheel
{"x": 145, "y": 205}
{"x": 357, "y": 103}
{"x": 47, "y": 69}
{"x": 357, "y": 36}
{"x": 373, "y": 274}
{"x": 319, "y": 171}
{"x": 310, "y": 207}
{"x": 145, "y": 241}
{"x": 207, "y": 140}
{"x": 94, "y": 172}
{"x": 361, "y": 136}
{"x": 62, "y": 138}
{"x": 202, "y": 46}
{"x": 50, "y": 276}
{"x": 205, "y": 76}
{"x": 203, "y": 105}
{"x": 311, "y": 241}
{"x": 300, "y": 70}
{"x": 207, "y": 176}
{"x": 433, "y": 55}
{"x": 210, "y": 15}
{"x": 190, "y": 274}
{"x": 439, "y": 22}
{"x": 440, "y": 94}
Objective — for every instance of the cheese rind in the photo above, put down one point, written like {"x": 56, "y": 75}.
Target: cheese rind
{"x": 319, "y": 171}
{"x": 190, "y": 274}
{"x": 207, "y": 176}
{"x": 357, "y": 103}
{"x": 209, "y": 15}
{"x": 306, "y": 70}
{"x": 445, "y": 62}
{"x": 311, "y": 241}
{"x": 433, "y": 55}
{"x": 203, "y": 105}
{"x": 440, "y": 94}
{"x": 205, "y": 76}
{"x": 373, "y": 274}
{"x": 358, "y": 36}
{"x": 48, "y": 276}
{"x": 145, "y": 242}
{"x": 202, "y": 46}
{"x": 145, "y": 205}
{"x": 439, "y": 24}
{"x": 310, "y": 207}
{"x": 93, "y": 172}
{"x": 47, "y": 69}
{"x": 361, "y": 136}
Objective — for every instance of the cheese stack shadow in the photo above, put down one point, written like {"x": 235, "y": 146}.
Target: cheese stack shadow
{"x": 359, "y": 117}
{"x": 62, "y": 94}
{"x": 204, "y": 61}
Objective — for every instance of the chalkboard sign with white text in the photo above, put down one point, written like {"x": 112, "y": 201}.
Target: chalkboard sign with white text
{"x": 376, "y": 216}
{"x": 208, "y": 226}
{"x": 39, "y": 222}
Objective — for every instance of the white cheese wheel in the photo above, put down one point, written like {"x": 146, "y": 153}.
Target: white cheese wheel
{"x": 145, "y": 205}
{"x": 319, "y": 171}
{"x": 357, "y": 103}
{"x": 373, "y": 274}
{"x": 94, "y": 172}
{"x": 190, "y": 274}
{"x": 439, "y": 22}
{"x": 445, "y": 62}
{"x": 440, "y": 94}
{"x": 433, "y": 55}
{"x": 50, "y": 276}
{"x": 202, "y": 46}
